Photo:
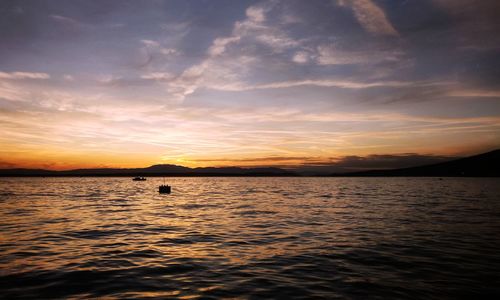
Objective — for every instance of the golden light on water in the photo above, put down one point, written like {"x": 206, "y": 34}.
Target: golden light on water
{"x": 114, "y": 237}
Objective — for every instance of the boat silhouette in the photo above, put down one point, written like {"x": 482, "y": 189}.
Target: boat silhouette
{"x": 164, "y": 189}
{"x": 139, "y": 179}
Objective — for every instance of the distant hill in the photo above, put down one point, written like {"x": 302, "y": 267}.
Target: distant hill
{"x": 155, "y": 170}
{"x": 482, "y": 165}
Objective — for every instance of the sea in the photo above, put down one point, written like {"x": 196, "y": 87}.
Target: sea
{"x": 250, "y": 238}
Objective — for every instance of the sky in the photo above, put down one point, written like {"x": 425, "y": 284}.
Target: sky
{"x": 349, "y": 84}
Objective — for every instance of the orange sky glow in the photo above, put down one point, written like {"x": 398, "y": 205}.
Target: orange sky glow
{"x": 263, "y": 83}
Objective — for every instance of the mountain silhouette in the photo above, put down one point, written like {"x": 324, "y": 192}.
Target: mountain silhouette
{"x": 482, "y": 165}
{"x": 155, "y": 170}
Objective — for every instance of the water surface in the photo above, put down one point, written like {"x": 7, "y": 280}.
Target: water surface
{"x": 354, "y": 238}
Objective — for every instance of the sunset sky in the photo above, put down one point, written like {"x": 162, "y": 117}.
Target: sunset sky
{"x": 247, "y": 83}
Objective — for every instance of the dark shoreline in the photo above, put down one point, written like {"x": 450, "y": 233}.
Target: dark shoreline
{"x": 153, "y": 175}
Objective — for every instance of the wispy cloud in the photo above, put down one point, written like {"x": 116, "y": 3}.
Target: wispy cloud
{"x": 474, "y": 93}
{"x": 333, "y": 83}
{"x": 219, "y": 45}
{"x": 255, "y": 28}
{"x": 66, "y": 20}
{"x": 23, "y": 75}
{"x": 371, "y": 17}
{"x": 158, "y": 76}
{"x": 301, "y": 57}
{"x": 331, "y": 55}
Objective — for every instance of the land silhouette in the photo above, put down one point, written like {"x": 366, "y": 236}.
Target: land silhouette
{"x": 482, "y": 165}
{"x": 152, "y": 171}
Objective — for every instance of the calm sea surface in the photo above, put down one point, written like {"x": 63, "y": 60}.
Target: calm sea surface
{"x": 357, "y": 238}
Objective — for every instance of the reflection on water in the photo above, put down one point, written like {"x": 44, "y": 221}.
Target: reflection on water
{"x": 250, "y": 237}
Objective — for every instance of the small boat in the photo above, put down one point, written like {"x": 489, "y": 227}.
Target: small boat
{"x": 164, "y": 189}
{"x": 139, "y": 179}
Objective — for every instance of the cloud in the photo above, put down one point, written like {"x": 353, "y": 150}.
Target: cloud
{"x": 331, "y": 55}
{"x": 355, "y": 163}
{"x": 150, "y": 43}
{"x": 371, "y": 17}
{"x": 156, "y": 47}
{"x": 301, "y": 57}
{"x": 158, "y": 76}
{"x": 389, "y": 161}
{"x": 169, "y": 51}
{"x": 155, "y": 50}
{"x": 474, "y": 93}
{"x": 469, "y": 8}
{"x": 219, "y": 45}
{"x": 232, "y": 60}
{"x": 284, "y": 135}
{"x": 70, "y": 23}
{"x": 325, "y": 165}
{"x": 475, "y": 23}
{"x": 334, "y": 83}
{"x": 276, "y": 161}
{"x": 7, "y": 165}
{"x": 23, "y": 75}
{"x": 235, "y": 62}
{"x": 11, "y": 92}
{"x": 256, "y": 14}
{"x": 66, "y": 20}
{"x": 255, "y": 28}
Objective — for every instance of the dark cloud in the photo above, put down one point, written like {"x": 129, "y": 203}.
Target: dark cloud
{"x": 476, "y": 22}
{"x": 305, "y": 164}
{"x": 7, "y": 165}
{"x": 276, "y": 159}
{"x": 374, "y": 162}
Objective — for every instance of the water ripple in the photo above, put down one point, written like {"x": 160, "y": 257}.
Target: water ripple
{"x": 287, "y": 238}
